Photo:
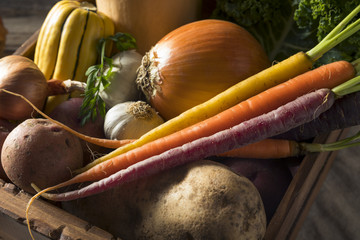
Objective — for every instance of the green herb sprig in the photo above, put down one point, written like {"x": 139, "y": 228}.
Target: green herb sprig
{"x": 98, "y": 79}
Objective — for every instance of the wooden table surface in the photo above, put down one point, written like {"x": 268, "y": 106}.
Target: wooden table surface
{"x": 335, "y": 213}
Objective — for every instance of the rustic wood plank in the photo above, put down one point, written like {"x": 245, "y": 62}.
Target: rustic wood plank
{"x": 27, "y": 49}
{"x": 292, "y": 210}
{"x": 46, "y": 218}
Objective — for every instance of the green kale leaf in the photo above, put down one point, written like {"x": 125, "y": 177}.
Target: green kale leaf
{"x": 320, "y": 17}
{"x": 284, "y": 27}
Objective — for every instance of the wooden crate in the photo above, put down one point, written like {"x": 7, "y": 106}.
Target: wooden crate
{"x": 51, "y": 222}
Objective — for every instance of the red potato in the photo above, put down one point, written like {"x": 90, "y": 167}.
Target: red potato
{"x": 68, "y": 114}
{"x": 39, "y": 151}
{"x": 5, "y": 129}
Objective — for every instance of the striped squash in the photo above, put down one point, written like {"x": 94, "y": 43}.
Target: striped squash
{"x": 66, "y": 46}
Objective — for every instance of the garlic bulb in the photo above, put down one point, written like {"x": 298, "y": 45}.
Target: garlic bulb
{"x": 130, "y": 120}
{"x": 122, "y": 83}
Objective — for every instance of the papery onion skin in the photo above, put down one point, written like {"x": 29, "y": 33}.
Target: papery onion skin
{"x": 197, "y": 61}
{"x": 21, "y": 75}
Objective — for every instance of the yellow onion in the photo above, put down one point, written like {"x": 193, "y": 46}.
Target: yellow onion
{"x": 20, "y": 75}
{"x": 197, "y": 61}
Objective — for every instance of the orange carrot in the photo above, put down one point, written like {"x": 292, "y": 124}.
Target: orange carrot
{"x": 294, "y": 113}
{"x": 274, "y": 75}
{"x": 326, "y": 76}
{"x": 266, "y": 149}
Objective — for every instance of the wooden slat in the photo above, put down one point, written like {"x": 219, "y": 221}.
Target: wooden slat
{"x": 302, "y": 191}
{"x": 45, "y": 218}
{"x": 27, "y": 49}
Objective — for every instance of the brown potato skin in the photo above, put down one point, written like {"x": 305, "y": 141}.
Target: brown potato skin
{"x": 41, "y": 152}
{"x": 200, "y": 200}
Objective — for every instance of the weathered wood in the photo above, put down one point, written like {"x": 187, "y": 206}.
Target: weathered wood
{"x": 45, "y": 218}
{"x": 27, "y": 49}
{"x": 302, "y": 191}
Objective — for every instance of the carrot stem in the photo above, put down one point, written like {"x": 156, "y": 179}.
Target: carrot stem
{"x": 338, "y": 145}
{"x": 351, "y": 86}
{"x": 337, "y": 35}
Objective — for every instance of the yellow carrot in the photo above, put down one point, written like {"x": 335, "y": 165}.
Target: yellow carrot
{"x": 245, "y": 89}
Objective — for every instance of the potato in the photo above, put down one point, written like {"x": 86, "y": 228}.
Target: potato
{"x": 39, "y": 151}
{"x": 201, "y": 200}
{"x": 270, "y": 177}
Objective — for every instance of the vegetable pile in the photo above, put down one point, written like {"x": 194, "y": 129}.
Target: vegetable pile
{"x": 108, "y": 120}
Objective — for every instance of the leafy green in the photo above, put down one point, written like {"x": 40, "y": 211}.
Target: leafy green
{"x": 284, "y": 27}
{"x": 98, "y": 78}
{"x": 252, "y": 12}
{"x": 321, "y": 16}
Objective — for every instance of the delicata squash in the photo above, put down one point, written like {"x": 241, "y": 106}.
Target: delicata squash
{"x": 66, "y": 46}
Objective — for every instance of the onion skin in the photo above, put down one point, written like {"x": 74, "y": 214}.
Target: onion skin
{"x": 197, "y": 61}
{"x": 20, "y": 75}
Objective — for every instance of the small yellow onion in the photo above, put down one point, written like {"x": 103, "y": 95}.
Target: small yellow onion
{"x": 20, "y": 75}
{"x": 197, "y": 61}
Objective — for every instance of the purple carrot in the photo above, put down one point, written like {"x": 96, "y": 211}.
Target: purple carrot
{"x": 288, "y": 116}
{"x": 344, "y": 113}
